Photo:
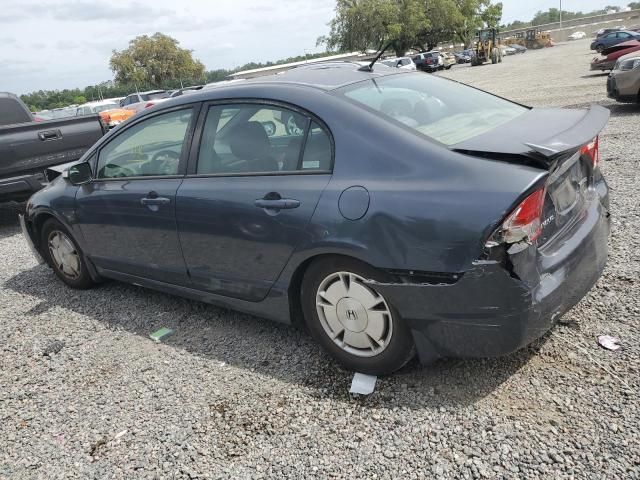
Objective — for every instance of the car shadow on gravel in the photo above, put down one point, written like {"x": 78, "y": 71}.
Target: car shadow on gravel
{"x": 595, "y": 74}
{"x": 624, "y": 109}
{"x": 282, "y": 352}
{"x": 616, "y": 109}
{"x": 9, "y": 225}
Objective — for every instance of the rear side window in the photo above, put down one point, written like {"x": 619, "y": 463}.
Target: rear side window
{"x": 12, "y": 112}
{"x": 439, "y": 109}
{"x": 257, "y": 138}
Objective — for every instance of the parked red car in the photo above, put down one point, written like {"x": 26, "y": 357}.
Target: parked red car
{"x": 612, "y": 54}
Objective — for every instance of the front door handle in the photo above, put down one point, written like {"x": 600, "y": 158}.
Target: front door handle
{"x": 279, "y": 204}
{"x": 50, "y": 135}
{"x": 155, "y": 201}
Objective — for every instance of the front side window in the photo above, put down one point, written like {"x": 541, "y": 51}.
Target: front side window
{"x": 152, "y": 147}
{"x": 439, "y": 109}
{"x": 254, "y": 138}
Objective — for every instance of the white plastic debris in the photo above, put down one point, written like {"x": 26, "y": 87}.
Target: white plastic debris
{"x": 363, "y": 384}
{"x": 120, "y": 434}
{"x": 609, "y": 342}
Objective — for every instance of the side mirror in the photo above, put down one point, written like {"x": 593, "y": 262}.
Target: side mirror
{"x": 79, "y": 174}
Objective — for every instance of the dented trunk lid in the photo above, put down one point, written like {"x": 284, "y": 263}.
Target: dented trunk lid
{"x": 550, "y": 139}
{"x": 539, "y": 136}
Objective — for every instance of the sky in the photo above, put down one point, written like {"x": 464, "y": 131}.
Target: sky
{"x": 67, "y": 44}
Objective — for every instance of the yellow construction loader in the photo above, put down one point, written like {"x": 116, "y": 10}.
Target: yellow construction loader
{"x": 487, "y": 48}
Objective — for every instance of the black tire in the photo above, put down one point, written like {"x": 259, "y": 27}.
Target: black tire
{"x": 400, "y": 347}
{"x": 599, "y": 48}
{"x": 80, "y": 281}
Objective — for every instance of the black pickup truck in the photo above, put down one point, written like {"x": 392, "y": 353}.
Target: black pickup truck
{"x": 28, "y": 148}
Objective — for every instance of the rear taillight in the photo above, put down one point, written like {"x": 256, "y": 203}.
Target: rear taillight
{"x": 148, "y": 105}
{"x": 592, "y": 150}
{"x": 523, "y": 224}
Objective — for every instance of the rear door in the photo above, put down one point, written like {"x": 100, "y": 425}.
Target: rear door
{"x": 255, "y": 177}
{"x": 127, "y": 214}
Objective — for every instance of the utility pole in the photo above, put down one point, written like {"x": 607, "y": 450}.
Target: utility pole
{"x": 560, "y": 13}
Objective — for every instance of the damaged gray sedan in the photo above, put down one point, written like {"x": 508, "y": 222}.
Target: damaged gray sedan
{"x": 392, "y": 212}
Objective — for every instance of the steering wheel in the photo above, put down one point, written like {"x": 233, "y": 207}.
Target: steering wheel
{"x": 119, "y": 172}
{"x": 165, "y": 155}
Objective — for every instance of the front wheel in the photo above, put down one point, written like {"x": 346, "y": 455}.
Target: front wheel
{"x": 64, "y": 256}
{"x": 353, "y": 321}
{"x": 599, "y": 48}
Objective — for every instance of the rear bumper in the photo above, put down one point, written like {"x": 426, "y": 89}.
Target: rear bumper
{"x": 492, "y": 311}
{"x": 21, "y": 187}
{"x": 602, "y": 66}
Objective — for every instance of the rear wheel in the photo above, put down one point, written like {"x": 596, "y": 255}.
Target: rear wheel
{"x": 494, "y": 56}
{"x": 352, "y": 320}
{"x": 64, "y": 256}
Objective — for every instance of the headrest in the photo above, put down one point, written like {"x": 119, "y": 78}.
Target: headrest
{"x": 248, "y": 141}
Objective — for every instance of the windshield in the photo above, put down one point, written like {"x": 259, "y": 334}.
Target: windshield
{"x": 445, "y": 111}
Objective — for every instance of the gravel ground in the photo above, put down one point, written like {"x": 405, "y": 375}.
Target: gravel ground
{"x": 85, "y": 394}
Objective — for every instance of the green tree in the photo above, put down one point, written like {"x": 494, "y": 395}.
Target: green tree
{"x": 363, "y": 24}
{"x": 492, "y": 15}
{"x": 475, "y": 14}
{"x": 155, "y": 60}
{"x": 634, "y": 5}
{"x": 443, "y": 16}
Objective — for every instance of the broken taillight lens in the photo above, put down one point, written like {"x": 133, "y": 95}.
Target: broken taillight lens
{"x": 523, "y": 224}
{"x": 592, "y": 150}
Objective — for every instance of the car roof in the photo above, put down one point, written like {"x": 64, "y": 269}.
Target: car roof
{"x": 148, "y": 92}
{"x": 326, "y": 76}
{"x": 319, "y": 76}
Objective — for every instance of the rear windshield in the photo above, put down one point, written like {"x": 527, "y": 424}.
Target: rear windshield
{"x": 154, "y": 96}
{"x": 443, "y": 110}
{"x": 12, "y": 111}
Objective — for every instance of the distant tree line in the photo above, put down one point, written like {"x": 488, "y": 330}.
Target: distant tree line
{"x": 150, "y": 62}
{"x": 553, "y": 16}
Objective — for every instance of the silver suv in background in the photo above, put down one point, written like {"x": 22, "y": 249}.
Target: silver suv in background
{"x": 405, "y": 63}
{"x": 624, "y": 81}
{"x": 141, "y": 100}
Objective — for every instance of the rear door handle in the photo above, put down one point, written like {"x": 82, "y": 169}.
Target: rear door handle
{"x": 155, "y": 201}
{"x": 279, "y": 204}
{"x": 50, "y": 135}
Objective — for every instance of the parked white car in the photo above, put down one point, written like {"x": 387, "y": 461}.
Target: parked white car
{"x": 577, "y": 36}
{"x": 404, "y": 63}
{"x": 140, "y": 100}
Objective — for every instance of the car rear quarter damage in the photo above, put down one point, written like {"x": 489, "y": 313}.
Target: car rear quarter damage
{"x": 526, "y": 278}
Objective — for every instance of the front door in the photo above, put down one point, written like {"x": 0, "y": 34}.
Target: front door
{"x": 260, "y": 172}
{"x": 128, "y": 213}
